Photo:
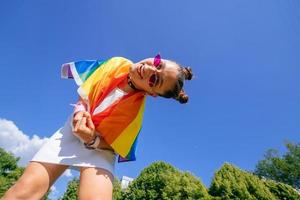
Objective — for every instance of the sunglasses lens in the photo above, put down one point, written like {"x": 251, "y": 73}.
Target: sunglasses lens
{"x": 157, "y": 60}
{"x": 152, "y": 80}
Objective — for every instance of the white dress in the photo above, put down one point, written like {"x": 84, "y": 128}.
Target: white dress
{"x": 66, "y": 149}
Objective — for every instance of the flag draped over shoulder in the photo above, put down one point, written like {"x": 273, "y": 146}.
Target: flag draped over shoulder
{"x": 120, "y": 123}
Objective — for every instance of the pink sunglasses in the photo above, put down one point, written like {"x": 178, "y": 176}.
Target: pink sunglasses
{"x": 153, "y": 78}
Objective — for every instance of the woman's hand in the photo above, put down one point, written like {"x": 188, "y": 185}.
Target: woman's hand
{"x": 83, "y": 126}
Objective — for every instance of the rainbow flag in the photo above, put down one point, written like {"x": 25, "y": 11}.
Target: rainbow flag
{"x": 121, "y": 122}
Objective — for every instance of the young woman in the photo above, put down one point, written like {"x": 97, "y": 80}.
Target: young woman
{"x": 105, "y": 123}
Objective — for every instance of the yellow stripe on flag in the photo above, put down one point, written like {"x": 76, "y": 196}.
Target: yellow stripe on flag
{"x": 123, "y": 143}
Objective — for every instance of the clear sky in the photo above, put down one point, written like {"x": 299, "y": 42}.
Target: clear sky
{"x": 245, "y": 56}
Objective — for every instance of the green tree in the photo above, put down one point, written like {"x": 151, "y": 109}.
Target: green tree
{"x": 162, "y": 181}
{"x": 232, "y": 183}
{"x": 8, "y": 162}
{"x": 284, "y": 168}
{"x": 72, "y": 190}
{"x": 9, "y": 171}
{"x": 282, "y": 191}
{"x": 117, "y": 192}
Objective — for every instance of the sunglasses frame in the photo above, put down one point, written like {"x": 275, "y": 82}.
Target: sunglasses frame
{"x": 156, "y": 63}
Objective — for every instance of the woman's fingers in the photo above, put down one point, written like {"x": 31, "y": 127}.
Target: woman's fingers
{"x": 86, "y": 114}
{"x": 88, "y": 120}
{"x": 79, "y": 124}
{"x": 84, "y": 126}
{"x": 82, "y": 123}
{"x": 78, "y": 115}
{"x": 81, "y": 114}
{"x": 90, "y": 123}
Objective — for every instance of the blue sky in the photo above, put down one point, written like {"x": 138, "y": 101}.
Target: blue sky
{"x": 245, "y": 56}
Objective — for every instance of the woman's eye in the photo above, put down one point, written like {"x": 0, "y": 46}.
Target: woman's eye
{"x": 159, "y": 66}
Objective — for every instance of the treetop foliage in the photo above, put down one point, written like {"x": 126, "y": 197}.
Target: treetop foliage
{"x": 232, "y": 183}
{"x": 9, "y": 171}
{"x": 162, "y": 181}
{"x": 284, "y": 168}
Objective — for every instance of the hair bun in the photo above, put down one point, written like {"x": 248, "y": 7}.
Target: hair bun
{"x": 188, "y": 73}
{"x": 182, "y": 97}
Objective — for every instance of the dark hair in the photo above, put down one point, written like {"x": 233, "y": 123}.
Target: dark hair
{"x": 177, "y": 93}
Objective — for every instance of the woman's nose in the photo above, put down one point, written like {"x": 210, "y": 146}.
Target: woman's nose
{"x": 152, "y": 68}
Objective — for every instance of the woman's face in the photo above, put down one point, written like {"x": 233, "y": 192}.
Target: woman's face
{"x": 155, "y": 78}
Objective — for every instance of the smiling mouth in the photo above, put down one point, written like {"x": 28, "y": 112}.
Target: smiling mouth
{"x": 154, "y": 80}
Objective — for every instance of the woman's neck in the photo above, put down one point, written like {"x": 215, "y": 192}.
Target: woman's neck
{"x": 125, "y": 86}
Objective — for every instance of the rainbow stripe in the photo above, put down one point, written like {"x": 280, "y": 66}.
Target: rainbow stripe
{"x": 120, "y": 123}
